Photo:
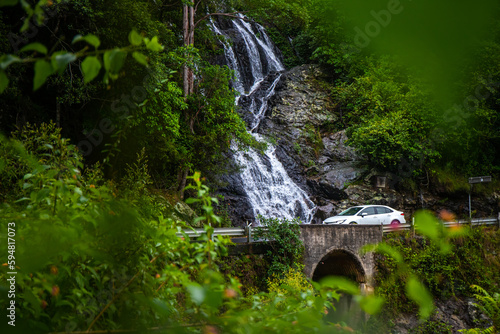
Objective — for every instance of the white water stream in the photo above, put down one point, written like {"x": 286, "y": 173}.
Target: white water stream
{"x": 271, "y": 192}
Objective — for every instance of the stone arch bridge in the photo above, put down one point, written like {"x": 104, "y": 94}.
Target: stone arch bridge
{"x": 335, "y": 250}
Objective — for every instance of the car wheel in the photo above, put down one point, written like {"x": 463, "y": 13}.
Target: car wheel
{"x": 395, "y": 222}
{"x": 353, "y": 223}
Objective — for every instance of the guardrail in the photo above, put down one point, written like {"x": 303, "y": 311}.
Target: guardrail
{"x": 230, "y": 231}
{"x": 473, "y": 222}
{"x": 242, "y": 232}
{"x": 247, "y": 232}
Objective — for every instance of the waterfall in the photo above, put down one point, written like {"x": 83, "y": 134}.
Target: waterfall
{"x": 257, "y": 67}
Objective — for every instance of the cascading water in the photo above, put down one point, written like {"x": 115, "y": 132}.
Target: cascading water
{"x": 257, "y": 67}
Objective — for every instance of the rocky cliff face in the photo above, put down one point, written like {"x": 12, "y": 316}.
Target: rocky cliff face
{"x": 301, "y": 117}
{"x": 319, "y": 161}
{"x": 301, "y": 120}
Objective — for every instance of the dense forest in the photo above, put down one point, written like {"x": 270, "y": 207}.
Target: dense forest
{"x": 118, "y": 119}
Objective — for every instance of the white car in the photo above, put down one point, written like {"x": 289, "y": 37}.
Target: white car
{"x": 368, "y": 214}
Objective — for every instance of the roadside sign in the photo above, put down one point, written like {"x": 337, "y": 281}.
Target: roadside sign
{"x": 473, "y": 180}
{"x": 479, "y": 179}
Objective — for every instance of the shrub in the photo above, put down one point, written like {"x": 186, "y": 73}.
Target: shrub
{"x": 287, "y": 248}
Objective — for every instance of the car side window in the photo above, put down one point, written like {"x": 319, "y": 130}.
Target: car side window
{"x": 368, "y": 211}
{"x": 381, "y": 209}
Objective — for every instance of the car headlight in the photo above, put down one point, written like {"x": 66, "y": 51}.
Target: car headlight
{"x": 334, "y": 222}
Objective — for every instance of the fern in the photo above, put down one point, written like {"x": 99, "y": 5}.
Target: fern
{"x": 490, "y": 305}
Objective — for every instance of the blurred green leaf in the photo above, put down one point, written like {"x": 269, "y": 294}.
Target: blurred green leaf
{"x": 61, "y": 59}
{"x": 153, "y": 45}
{"x": 191, "y": 200}
{"x": 114, "y": 60}
{"x": 90, "y": 67}
{"x": 7, "y": 60}
{"x": 197, "y": 293}
{"x": 43, "y": 69}
{"x": 90, "y": 38}
{"x": 140, "y": 58}
{"x": 371, "y": 304}
{"x": 420, "y": 295}
{"x": 427, "y": 224}
{"x": 38, "y": 47}
{"x": 134, "y": 38}
{"x": 213, "y": 298}
{"x": 340, "y": 283}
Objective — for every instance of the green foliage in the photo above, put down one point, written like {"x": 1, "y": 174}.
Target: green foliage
{"x": 313, "y": 137}
{"x": 284, "y": 19}
{"x": 393, "y": 101}
{"x": 113, "y": 60}
{"x": 221, "y": 209}
{"x": 193, "y": 132}
{"x": 250, "y": 270}
{"x": 297, "y": 148}
{"x": 89, "y": 261}
{"x": 390, "y": 116}
{"x": 490, "y": 306}
{"x": 160, "y": 113}
{"x": 35, "y": 144}
{"x": 204, "y": 199}
{"x": 292, "y": 281}
{"x": 433, "y": 326}
{"x": 447, "y": 263}
{"x": 287, "y": 248}
{"x": 418, "y": 269}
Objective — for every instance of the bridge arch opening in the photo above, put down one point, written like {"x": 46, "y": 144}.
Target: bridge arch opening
{"x": 340, "y": 262}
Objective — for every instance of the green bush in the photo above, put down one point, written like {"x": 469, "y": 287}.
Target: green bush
{"x": 41, "y": 146}
{"x": 287, "y": 248}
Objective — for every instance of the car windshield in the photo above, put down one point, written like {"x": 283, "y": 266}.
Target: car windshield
{"x": 351, "y": 211}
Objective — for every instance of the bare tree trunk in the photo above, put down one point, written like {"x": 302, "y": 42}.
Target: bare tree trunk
{"x": 185, "y": 28}
{"x": 181, "y": 181}
{"x": 191, "y": 25}
{"x": 191, "y": 42}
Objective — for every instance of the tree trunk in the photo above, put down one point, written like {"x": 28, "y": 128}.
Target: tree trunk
{"x": 188, "y": 85}
{"x": 181, "y": 181}
{"x": 185, "y": 28}
{"x": 191, "y": 43}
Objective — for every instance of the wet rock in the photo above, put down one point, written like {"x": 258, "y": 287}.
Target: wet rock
{"x": 298, "y": 109}
{"x": 476, "y": 317}
{"x": 236, "y": 200}
{"x": 341, "y": 174}
{"x": 336, "y": 148}
{"x": 323, "y": 212}
{"x": 182, "y": 212}
{"x": 454, "y": 313}
{"x": 326, "y": 190}
{"x": 298, "y": 102}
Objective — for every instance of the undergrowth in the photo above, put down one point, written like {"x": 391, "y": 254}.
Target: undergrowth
{"x": 474, "y": 260}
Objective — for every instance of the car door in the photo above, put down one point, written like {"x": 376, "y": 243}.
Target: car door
{"x": 383, "y": 215}
{"x": 369, "y": 216}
